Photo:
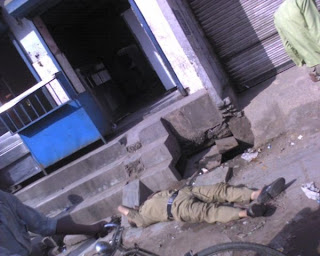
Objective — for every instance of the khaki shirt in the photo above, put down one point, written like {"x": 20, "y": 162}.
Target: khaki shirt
{"x": 152, "y": 211}
{"x": 298, "y": 24}
{"x": 16, "y": 219}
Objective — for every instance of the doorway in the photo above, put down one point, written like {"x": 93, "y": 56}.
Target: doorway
{"x": 105, "y": 53}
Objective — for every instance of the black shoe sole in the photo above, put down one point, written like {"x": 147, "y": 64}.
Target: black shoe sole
{"x": 271, "y": 191}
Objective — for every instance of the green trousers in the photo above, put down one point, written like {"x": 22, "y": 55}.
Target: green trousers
{"x": 203, "y": 203}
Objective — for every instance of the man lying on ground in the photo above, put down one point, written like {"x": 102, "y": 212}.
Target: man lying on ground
{"x": 203, "y": 204}
{"x": 16, "y": 219}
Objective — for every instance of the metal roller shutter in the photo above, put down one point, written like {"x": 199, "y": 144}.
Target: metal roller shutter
{"x": 243, "y": 35}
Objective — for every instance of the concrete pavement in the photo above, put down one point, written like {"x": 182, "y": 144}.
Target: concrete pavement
{"x": 288, "y": 102}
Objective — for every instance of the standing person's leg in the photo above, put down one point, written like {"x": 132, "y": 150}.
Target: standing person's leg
{"x": 223, "y": 192}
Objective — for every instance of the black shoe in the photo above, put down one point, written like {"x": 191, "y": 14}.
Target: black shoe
{"x": 256, "y": 210}
{"x": 271, "y": 191}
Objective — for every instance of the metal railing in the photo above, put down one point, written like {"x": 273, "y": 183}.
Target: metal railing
{"x": 35, "y": 103}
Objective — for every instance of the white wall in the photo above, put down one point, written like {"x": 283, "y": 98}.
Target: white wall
{"x": 149, "y": 49}
{"x": 179, "y": 61}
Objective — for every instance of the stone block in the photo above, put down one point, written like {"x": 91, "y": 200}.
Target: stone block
{"x": 135, "y": 193}
{"x": 193, "y": 119}
{"x": 211, "y": 160}
{"x": 161, "y": 176}
{"x": 226, "y": 144}
{"x": 216, "y": 176}
{"x": 153, "y": 132}
{"x": 160, "y": 151}
{"x": 241, "y": 130}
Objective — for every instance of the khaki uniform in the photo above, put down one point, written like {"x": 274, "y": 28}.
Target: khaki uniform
{"x": 193, "y": 205}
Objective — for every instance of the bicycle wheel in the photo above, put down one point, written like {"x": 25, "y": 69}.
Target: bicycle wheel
{"x": 137, "y": 252}
{"x": 239, "y": 249}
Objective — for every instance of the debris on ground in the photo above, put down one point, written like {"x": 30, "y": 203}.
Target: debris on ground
{"x": 250, "y": 155}
{"x": 226, "y": 144}
{"x": 300, "y": 137}
{"x": 311, "y": 191}
{"x": 211, "y": 160}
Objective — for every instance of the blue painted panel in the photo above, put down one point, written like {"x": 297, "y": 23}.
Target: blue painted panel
{"x": 93, "y": 110}
{"x": 64, "y": 131}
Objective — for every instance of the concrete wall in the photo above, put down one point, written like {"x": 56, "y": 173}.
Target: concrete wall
{"x": 149, "y": 49}
{"x": 202, "y": 54}
{"x": 181, "y": 39}
{"x": 161, "y": 20}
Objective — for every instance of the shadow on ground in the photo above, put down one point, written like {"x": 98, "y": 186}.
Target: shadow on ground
{"x": 301, "y": 236}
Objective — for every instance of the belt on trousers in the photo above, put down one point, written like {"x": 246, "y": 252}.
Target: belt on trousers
{"x": 169, "y": 204}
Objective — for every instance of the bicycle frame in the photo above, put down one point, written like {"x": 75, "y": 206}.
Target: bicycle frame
{"x": 109, "y": 249}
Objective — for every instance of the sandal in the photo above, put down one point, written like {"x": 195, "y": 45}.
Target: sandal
{"x": 271, "y": 191}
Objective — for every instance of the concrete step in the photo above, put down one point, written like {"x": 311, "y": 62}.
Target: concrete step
{"x": 164, "y": 149}
{"x": 100, "y": 206}
{"x": 105, "y": 203}
{"x": 7, "y": 141}
{"x": 154, "y": 132}
{"x": 83, "y": 188}
{"x": 12, "y": 153}
{"x": 72, "y": 172}
{"x": 161, "y": 150}
{"x": 161, "y": 176}
{"x": 90, "y": 188}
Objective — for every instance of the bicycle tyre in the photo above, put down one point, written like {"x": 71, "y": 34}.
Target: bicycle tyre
{"x": 240, "y": 246}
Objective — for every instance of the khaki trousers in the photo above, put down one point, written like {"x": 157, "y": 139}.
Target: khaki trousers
{"x": 203, "y": 203}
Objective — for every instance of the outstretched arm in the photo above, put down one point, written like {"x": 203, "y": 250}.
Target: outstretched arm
{"x": 66, "y": 225}
{"x": 38, "y": 223}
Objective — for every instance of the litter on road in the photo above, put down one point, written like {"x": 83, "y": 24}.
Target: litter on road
{"x": 249, "y": 156}
{"x": 311, "y": 191}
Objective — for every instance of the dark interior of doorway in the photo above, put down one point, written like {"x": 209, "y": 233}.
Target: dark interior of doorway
{"x": 15, "y": 77}
{"x": 96, "y": 40}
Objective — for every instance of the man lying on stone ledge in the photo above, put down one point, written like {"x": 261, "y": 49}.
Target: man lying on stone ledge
{"x": 203, "y": 204}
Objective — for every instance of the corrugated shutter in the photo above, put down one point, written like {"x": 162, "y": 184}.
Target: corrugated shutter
{"x": 243, "y": 35}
